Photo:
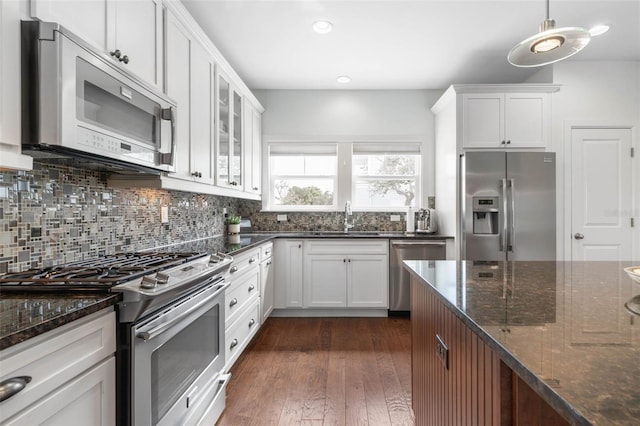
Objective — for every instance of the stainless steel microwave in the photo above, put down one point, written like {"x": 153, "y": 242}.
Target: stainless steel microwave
{"x": 77, "y": 103}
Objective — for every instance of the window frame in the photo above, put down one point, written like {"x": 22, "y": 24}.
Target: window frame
{"x": 344, "y": 179}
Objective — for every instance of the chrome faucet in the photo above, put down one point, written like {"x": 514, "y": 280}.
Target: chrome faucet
{"x": 347, "y": 213}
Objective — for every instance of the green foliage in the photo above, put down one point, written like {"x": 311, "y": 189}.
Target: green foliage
{"x": 395, "y": 165}
{"x": 307, "y": 196}
{"x": 234, "y": 220}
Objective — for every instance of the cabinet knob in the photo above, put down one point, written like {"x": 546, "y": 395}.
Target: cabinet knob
{"x": 233, "y": 302}
{"x": 196, "y": 174}
{"x": 233, "y": 269}
{"x": 508, "y": 142}
{"x": 255, "y": 188}
{"x": 252, "y": 260}
{"x": 233, "y": 344}
{"x": 124, "y": 59}
{"x": 251, "y": 322}
{"x": 116, "y": 53}
{"x": 502, "y": 143}
{"x": 251, "y": 288}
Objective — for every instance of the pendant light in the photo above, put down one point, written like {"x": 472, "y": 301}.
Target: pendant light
{"x": 550, "y": 45}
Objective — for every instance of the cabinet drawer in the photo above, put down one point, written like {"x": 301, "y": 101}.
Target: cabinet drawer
{"x": 239, "y": 293}
{"x": 265, "y": 251}
{"x": 346, "y": 246}
{"x": 240, "y": 333}
{"x": 55, "y": 357}
{"x": 243, "y": 261}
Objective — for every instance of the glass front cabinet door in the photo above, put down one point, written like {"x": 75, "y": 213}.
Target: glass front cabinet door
{"x": 230, "y": 136}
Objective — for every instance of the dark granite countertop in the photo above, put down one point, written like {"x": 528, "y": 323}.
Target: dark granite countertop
{"x": 23, "y": 316}
{"x": 238, "y": 243}
{"x": 561, "y": 326}
{"x": 26, "y": 315}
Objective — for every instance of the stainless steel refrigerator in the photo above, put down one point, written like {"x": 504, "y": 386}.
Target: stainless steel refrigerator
{"x": 509, "y": 206}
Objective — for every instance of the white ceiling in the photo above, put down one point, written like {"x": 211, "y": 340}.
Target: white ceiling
{"x": 400, "y": 44}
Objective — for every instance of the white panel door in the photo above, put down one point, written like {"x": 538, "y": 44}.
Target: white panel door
{"x": 482, "y": 120}
{"x": 368, "y": 280}
{"x": 601, "y": 194}
{"x": 325, "y": 281}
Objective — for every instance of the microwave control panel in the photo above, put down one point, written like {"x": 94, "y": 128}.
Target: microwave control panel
{"x": 109, "y": 145}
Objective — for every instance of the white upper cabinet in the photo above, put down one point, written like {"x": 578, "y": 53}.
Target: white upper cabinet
{"x": 189, "y": 81}
{"x": 10, "y": 132}
{"x": 230, "y": 138}
{"x": 253, "y": 149}
{"x": 505, "y": 120}
{"x": 130, "y": 32}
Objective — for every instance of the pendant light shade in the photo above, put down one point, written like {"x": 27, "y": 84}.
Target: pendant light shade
{"x": 550, "y": 45}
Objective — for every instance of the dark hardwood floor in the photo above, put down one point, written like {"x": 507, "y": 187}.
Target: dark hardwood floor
{"x": 324, "y": 371}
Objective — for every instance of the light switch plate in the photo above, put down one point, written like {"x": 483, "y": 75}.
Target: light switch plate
{"x": 395, "y": 218}
{"x": 164, "y": 214}
{"x": 281, "y": 218}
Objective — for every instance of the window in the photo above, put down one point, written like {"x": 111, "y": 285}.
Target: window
{"x": 385, "y": 175}
{"x": 322, "y": 176}
{"x": 302, "y": 176}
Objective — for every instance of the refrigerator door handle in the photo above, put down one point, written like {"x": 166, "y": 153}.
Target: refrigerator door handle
{"x": 512, "y": 233}
{"x": 504, "y": 230}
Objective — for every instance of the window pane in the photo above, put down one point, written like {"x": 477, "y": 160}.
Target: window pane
{"x": 303, "y": 192}
{"x": 303, "y": 165}
{"x": 385, "y": 165}
{"x": 385, "y": 193}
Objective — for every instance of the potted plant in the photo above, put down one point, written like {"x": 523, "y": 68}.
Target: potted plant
{"x": 233, "y": 224}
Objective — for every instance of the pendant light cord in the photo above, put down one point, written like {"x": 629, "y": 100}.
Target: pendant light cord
{"x": 547, "y": 9}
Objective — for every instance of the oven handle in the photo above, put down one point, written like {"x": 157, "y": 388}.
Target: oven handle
{"x": 155, "y": 332}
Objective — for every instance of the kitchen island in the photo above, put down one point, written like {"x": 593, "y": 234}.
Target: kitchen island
{"x": 524, "y": 343}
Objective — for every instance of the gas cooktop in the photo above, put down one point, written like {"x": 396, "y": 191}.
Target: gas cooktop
{"x": 96, "y": 274}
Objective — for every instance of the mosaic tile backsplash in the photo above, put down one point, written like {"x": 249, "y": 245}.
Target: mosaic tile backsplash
{"x": 57, "y": 214}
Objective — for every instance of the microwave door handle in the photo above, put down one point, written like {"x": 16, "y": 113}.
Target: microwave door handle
{"x": 169, "y": 114}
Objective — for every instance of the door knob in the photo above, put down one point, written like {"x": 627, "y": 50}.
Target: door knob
{"x": 578, "y": 236}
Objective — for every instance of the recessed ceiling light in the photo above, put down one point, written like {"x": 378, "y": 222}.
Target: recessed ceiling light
{"x": 597, "y": 30}
{"x": 322, "y": 27}
{"x": 343, "y": 79}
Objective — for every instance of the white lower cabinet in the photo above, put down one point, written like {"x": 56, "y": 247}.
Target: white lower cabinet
{"x": 346, "y": 274}
{"x": 288, "y": 273}
{"x": 72, "y": 374}
{"x": 244, "y": 299}
{"x": 266, "y": 282}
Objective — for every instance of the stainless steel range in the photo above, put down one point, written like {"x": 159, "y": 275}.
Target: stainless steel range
{"x": 171, "y": 329}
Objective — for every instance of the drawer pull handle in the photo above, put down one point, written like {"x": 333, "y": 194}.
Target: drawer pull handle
{"x": 233, "y": 269}
{"x": 251, "y": 288}
{"x": 253, "y": 259}
{"x": 251, "y": 322}
{"x": 233, "y": 302}
{"x": 12, "y": 386}
{"x": 233, "y": 344}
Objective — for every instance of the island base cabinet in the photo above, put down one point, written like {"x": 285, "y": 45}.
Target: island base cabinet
{"x": 462, "y": 386}
{"x": 458, "y": 379}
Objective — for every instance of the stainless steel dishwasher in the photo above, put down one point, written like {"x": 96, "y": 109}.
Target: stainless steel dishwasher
{"x": 399, "y": 287}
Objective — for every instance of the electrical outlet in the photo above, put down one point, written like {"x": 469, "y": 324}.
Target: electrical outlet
{"x": 442, "y": 350}
{"x": 281, "y": 218}
{"x": 164, "y": 214}
{"x": 395, "y": 218}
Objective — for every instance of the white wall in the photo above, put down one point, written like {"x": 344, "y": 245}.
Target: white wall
{"x": 592, "y": 93}
{"x": 352, "y": 115}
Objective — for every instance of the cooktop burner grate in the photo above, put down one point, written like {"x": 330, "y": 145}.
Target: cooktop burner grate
{"x": 99, "y": 273}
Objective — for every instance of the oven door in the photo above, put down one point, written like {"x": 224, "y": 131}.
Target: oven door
{"x": 178, "y": 358}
